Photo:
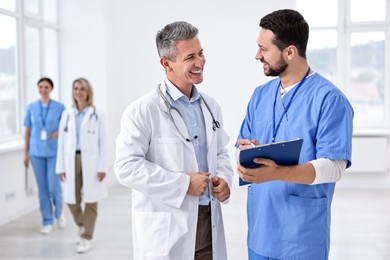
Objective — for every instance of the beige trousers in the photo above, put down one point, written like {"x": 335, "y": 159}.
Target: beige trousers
{"x": 86, "y": 218}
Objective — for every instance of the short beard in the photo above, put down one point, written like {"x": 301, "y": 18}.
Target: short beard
{"x": 274, "y": 72}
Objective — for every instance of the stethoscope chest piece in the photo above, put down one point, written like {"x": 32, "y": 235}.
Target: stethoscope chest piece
{"x": 216, "y": 124}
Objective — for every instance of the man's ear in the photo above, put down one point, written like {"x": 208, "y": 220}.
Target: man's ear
{"x": 165, "y": 63}
{"x": 291, "y": 52}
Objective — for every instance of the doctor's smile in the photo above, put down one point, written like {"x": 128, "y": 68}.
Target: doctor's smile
{"x": 288, "y": 205}
{"x": 197, "y": 72}
{"x": 81, "y": 163}
{"x": 171, "y": 152}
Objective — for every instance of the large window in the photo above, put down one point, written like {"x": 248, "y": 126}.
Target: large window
{"x": 28, "y": 51}
{"x": 9, "y": 94}
{"x": 347, "y": 44}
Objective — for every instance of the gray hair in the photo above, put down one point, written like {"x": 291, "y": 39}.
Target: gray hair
{"x": 167, "y": 38}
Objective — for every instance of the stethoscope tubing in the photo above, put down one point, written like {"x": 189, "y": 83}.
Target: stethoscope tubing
{"x": 170, "y": 107}
{"x": 94, "y": 114}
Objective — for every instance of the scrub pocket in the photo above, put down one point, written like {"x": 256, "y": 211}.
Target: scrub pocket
{"x": 151, "y": 232}
{"x": 169, "y": 154}
{"x": 306, "y": 220}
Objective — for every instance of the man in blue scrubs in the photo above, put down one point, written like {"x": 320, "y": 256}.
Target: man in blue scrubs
{"x": 289, "y": 207}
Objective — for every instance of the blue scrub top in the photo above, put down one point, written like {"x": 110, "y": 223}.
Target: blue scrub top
{"x": 287, "y": 220}
{"x": 33, "y": 120}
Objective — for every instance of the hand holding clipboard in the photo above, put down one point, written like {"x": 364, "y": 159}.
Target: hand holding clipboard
{"x": 282, "y": 153}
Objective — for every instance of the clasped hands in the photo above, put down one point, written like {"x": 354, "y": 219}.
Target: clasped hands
{"x": 199, "y": 182}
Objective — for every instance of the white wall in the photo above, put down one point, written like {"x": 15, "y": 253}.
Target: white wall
{"x": 83, "y": 47}
{"x": 85, "y": 51}
{"x": 370, "y": 161}
{"x": 15, "y": 201}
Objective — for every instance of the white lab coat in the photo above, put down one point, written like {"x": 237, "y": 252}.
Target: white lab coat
{"x": 93, "y": 155}
{"x": 155, "y": 161}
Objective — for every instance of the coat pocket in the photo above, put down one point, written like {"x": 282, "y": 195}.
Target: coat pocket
{"x": 169, "y": 154}
{"x": 151, "y": 232}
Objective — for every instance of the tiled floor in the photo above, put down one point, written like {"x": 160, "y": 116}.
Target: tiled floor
{"x": 360, "y": 229}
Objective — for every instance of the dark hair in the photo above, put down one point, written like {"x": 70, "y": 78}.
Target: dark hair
{"x": 289, "y": 28}
{"x": 48, "y": 81}
{"x": 168, "y": 36}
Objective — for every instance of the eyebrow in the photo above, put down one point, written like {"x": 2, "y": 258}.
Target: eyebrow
{"x": 193, "y": 53}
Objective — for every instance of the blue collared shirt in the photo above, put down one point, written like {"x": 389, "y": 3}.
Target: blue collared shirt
{"x": 79, "y": 119}
{"x": 193, "y": 118}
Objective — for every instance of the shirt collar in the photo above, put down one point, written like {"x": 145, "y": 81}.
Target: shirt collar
{"x": 176, "y": 94}
{"x": 77, "y": 112}
{"x": 283, "y": 91}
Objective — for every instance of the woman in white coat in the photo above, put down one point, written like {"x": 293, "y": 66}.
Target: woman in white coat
{"x": 158, "y": 156}
{"x": 81, "y": 162}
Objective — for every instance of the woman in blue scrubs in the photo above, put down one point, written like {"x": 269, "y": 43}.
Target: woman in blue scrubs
{"x": 41, "y": 122}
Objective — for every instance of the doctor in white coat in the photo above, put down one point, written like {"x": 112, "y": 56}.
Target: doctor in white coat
{"x": 171, "y": 152}
{"x": 81, "y": 162}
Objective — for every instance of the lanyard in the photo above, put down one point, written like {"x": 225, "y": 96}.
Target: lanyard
{"x": 44, "y": 115}
{"x": 275, "y": 129}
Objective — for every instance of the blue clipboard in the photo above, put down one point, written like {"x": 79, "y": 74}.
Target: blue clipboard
{"x": 283, "y": 153}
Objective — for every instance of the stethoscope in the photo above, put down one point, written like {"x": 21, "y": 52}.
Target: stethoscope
{"x": 89, "y": 120}
{"x": 216, "y": 123}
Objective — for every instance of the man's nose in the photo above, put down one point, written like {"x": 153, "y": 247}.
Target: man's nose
{"x": 259, "y": 55}
{"x": 199, "y": 62}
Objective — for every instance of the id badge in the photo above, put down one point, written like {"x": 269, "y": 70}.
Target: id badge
{"x": 43, "y": 135}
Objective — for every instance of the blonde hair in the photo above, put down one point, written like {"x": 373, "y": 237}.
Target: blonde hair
{"x": 88, "y": 88}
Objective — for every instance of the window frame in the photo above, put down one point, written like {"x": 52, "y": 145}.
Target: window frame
{"x": 344, "y": 29}
{"x": 23, "y": 20}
